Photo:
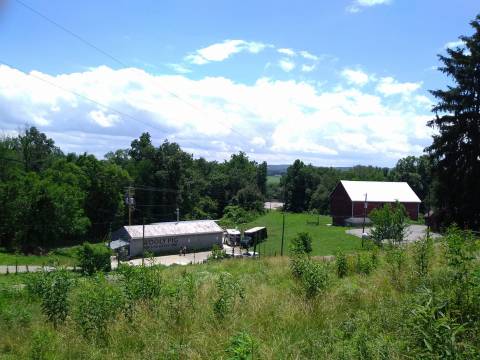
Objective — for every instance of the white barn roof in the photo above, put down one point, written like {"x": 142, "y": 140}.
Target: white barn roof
{"x": 380, "y": 191}
{"x": 174, "y": 228}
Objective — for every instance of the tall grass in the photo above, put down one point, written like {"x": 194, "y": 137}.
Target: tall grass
{"x": 387, "y": 312}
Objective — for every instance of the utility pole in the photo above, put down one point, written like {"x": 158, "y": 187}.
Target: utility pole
{"x": 178, "y": 214}
{"x": 143, "y": 242}
{"x": 283, "y": 233}
{"x": 130, "y": 202}
{"x": 365, "y": 205}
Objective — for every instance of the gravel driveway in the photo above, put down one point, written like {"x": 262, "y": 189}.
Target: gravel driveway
{"x": 414, "y": 233}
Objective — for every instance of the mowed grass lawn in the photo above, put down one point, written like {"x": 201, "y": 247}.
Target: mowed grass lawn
{"x": 326, "y": 240}
{"x": 65, "y": 256}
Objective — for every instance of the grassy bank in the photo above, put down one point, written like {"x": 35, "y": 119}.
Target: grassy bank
{"x": 381, "y": 309}
{"x": 65, "y": 256}
{"x": 327, "y": 240}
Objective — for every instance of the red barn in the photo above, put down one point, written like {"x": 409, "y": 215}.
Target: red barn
{"x": 347, "y": 201}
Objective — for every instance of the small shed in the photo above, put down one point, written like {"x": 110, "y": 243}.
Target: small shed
{"x": 351, "y": 199}
{"x": 170, "y": 237}
{"x": 256, "y": 234}
{"x": 232, "y": 237}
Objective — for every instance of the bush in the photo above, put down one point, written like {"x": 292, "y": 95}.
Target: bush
{"x": 140, "y": 284}
{"x": 242, "y": 347}
{"x": 298, "y": 263}
{"x": 233, "y": 215}
{"x": 396, "y": 261}
{"x": 181, "y": 297}
{"x": 301, "y": 244}
{"x": 229, "y": 290}
{"x": 422, "y": 255}
{"x": 52, "y": 288}
{"x": 389, "y": 222}
{"x": 341, "y": 264}
{"x": 364, "y": 264}
{"x": 96, "y": 303}
{"x": 217, "y": 253}
{"x": 93, "y": 258}
{"x": 315, "y": 278}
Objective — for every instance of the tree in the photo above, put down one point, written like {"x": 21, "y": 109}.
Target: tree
{"x": 455, "y": 150}
{"x": 301, "y": 244}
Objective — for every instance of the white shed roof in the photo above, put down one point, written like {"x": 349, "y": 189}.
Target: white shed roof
{"x": 174, "y": 228}
{"x": 380, "y": 191}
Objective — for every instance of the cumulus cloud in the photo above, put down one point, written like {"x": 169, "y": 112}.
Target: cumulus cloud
{"x": 286, "y": 65}
{"x": 389, "y": 86}
{"x": 454, "y": 44}
{"x": 222, "y": 51}
{"x": 308, "y": 68}
{"x": 356, "y": 77}
{"x": 274, "y": 120}
{"x": 288, "y": 52}
{"x": 309, "y": 56}
{"x": 357, "y": 5}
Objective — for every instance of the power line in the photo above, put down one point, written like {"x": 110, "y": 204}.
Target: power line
{"x": 110, "y": 56}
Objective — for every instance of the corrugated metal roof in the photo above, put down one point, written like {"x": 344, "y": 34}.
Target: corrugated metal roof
{"x": 174, "y": 228}
{"x": 233, "y": 232}
{"x": 380, "y": 191}
{"x": 254, "y": 229}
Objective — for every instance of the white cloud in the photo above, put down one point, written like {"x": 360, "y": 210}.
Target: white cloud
{"x": 309, "y": 56}
{"x": 308, "y": 68}
{"x": 102, "y": 119}
{"x": 288, "y": 52}
{"x": 275, "y": 120}
{"x": 389, "y": 86}
{"x": 222, "y": 51}
{"x": 356, "y": 77}
{"x": 358, "y": 5}
{"x": 454, "y": 44}
{"x": 179, "y": 68}
{"x": 286, "y": 65}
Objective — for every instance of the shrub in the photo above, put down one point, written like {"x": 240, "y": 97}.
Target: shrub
{"x": 140, "y": 284}
{"x": 341, "y": 264}
{"x": 233, "y": 214}
{"x": 314, "y": 279}
{"x": 42, "y": 345}
{"x": 217, "y": 253}
{"x": 93, "y": 258}
{"x": 396, "y": 260}
{"x": 364, "y": 264}
{"x": 422, "y": 255}
{"x": 389, "y": 222}
{"x": 96, "y": 303}
{"x": 298, "y": 263}
{"x": 301, "y": 244}
{"x": 181, "y": 297}
{"x": 242, "y": 347}
{"x": 53, "y": 289}
{"x": 229, "y": 290}
{"x": 434, "y": 333}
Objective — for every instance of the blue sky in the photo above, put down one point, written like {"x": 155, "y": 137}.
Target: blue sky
{"x": 329, "y": 82}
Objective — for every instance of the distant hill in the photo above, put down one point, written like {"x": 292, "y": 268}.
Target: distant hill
{"x": 276, "y": 169}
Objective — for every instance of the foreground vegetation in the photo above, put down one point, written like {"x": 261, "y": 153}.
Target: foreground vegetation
{"x": 418, "y": 302}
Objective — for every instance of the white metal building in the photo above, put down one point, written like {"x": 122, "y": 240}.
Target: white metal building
{"x": 170, "y": 237}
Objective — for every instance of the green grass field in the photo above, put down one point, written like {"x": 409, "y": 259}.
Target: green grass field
{"x": 327, "y": 240}
{"x": 272, "y": 180}
{"x": 61, "y": 256}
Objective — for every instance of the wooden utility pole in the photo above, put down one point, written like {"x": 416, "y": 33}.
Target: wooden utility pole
{"x": 130, "y": 204}
{"x": 178, "y": 214}
{"x": 283, "y": 233}
{"x": 143, "y": 242}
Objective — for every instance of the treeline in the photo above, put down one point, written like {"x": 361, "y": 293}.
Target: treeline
{"x": 50, "y": 198}
{"x": 308, "y": 188}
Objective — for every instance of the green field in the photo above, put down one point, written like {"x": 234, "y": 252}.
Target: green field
{"x": 273, "y": 180}
{"x": 327, "y": 240}
{"x": 61, "y": 256}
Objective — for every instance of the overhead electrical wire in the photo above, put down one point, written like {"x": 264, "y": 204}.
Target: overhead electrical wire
{"x": 113, "y": 58}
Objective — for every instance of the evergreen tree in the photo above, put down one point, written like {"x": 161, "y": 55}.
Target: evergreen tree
{"x": 455, "y": 150}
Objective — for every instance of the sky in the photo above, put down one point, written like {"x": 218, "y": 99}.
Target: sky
{"x": 334, "y": 83}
